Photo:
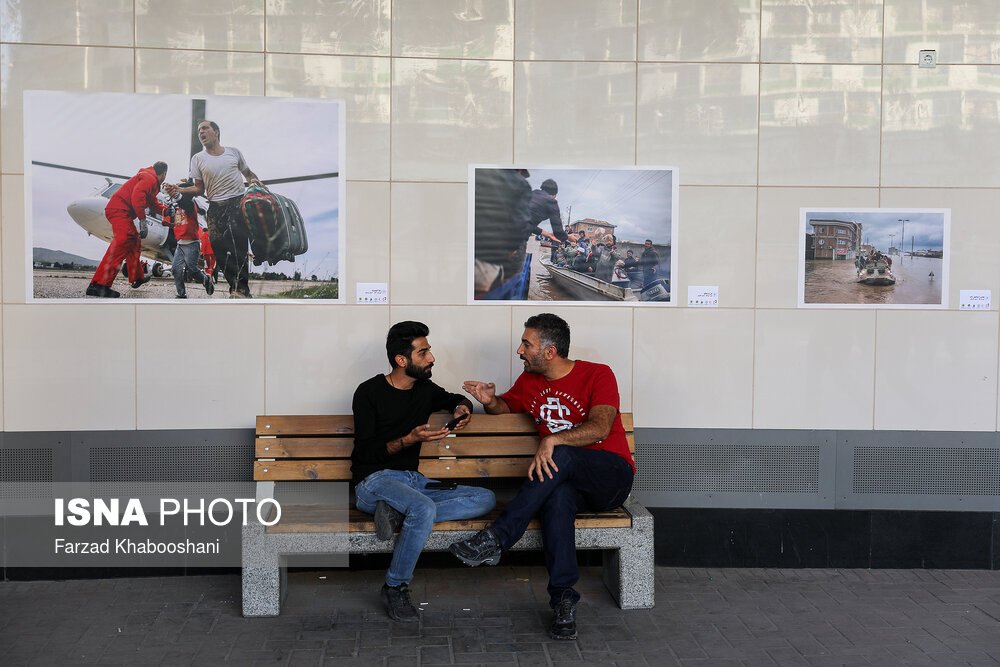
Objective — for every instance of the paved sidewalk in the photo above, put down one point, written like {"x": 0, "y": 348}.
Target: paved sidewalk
{"x": 499, "y": 616}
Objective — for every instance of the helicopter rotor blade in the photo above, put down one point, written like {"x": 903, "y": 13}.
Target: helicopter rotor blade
{"x": 82, "y": 171}
{"x": 294, "y": 179}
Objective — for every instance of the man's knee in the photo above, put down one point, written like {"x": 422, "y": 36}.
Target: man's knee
{"x": 483, "y": 498}
{"x": 562, "y": 501}
{"x": 421, "y": 510}
{"x": 563, "y": 455}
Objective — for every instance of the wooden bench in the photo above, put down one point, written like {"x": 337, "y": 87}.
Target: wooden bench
{"x": 318, "y": 448}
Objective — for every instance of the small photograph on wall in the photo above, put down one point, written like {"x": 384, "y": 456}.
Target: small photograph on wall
{"x": 163, "y": 197}
{"x": 572, "y": 234}
{"x": 874, "y": 257}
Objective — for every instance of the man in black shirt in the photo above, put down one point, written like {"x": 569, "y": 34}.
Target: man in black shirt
{"x": 390, "y": 422}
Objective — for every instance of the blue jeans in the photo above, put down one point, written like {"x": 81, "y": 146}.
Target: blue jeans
{"x": 588, "y": 479}
{"x": 405, "y": 490}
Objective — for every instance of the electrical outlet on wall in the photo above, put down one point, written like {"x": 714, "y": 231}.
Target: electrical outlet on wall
{"x": 928, "y": 58}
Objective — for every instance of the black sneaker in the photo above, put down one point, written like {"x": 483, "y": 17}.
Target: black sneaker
{"x": 397, "y": 603}
{"x": 136, "y": 284}
{"x": 483, "y": 547}
{"x": 564, "y": 621}
{"x": 209, "y": 284}
{"x": 94, "y": 289}
{"x": 387, "y": 520}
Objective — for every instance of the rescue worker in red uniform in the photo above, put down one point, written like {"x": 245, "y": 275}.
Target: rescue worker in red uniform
{"x": 128, "y": 203}
{"x": 206, "y": 252}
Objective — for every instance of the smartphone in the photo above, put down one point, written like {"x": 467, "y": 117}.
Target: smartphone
{"x": 454, "y": 422}
{"x": 447, "y": 486}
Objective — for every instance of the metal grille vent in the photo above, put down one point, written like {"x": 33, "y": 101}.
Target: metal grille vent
{"x": 136, "y": 463}
{"x": 728, "y": 468}
{"x": 894, "y": 469}
{"x": 26, "y": 473}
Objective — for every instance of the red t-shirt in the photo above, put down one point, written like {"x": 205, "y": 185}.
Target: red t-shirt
{"x": 566, "y": 402}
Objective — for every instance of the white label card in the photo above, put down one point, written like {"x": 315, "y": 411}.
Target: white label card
{"x": 703, "y": 296}
{"x": 974, "y": 299}
{"x": 373, "y": 293}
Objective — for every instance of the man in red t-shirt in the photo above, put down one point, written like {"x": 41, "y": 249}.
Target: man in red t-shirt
{"x": 582, "y": 463}
{"x": 129, "y": 202}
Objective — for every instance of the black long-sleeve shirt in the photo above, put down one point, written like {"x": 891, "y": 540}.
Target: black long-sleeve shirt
{"x": 383, "y": 413}
{"x": 545, "y": 207}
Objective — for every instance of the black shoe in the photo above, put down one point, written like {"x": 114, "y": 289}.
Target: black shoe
{"x": 483, "y": 547}
{"x": 181, "y": 296}
{"x": 136, "y": 284}
{"x": 397, "y": 603}
{"x": 387, "y": 520}
{"x": 94, "y": 289}
{"x": 209, "y": 284}
{"x": 564, "y": 621}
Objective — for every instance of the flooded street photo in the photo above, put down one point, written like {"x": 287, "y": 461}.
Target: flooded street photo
{"x": 835, "y": 282}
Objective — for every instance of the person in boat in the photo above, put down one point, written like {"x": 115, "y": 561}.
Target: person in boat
{"x": 606, "y": 262}
{"x": 631, "y": 263}
{"x": 649, "y": 261}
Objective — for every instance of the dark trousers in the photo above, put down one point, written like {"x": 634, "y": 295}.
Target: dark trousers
{"x": 588, "y": 480}
{"x": 230, "y": 237}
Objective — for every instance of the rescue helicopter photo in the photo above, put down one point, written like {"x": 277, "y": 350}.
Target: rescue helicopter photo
{"x": 296, "y": 253}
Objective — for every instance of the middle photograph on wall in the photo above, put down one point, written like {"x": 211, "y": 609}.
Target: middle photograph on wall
{"x": 572, "y": 234}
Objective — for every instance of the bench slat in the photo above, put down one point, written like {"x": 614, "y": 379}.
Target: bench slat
{"x": 305, "y": 424}
{"x": 471, "y": 468}
{"x": 511, "y": 445}
{"x": 303, "y": 448}
{"x": 311, "y": 518}
{"x": 277, "y": 471}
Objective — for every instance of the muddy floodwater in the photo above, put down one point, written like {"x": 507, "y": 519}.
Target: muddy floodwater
{"x": 828, "y": 281}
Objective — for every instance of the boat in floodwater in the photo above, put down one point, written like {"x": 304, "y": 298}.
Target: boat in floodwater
{"x": 876, "y": 272}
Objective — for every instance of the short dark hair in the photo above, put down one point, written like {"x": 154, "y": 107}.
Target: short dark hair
{"x": 648, "y": 241}
{"x": 548, "y": 185}
{"x": 400, "y": 339}
{"x": 160, "y": 167}
{"x": 552, "y": 330}
{"x": 215, "y": 126}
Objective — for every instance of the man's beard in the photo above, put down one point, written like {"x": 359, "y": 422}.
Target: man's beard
{"x": 533, "y": 364}
{"x": 418, "y": 373}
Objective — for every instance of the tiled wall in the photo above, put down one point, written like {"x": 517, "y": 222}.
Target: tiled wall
{"x": 764, "y": 105}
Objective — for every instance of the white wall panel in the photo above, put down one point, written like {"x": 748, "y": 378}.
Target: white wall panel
{"x": 453, "y": 29}
{"x": 223, "y": 25}
{"x": 575, "y": 113}
{"x": 936, "y": 371}
{"x": 199, "y": 72}
{"x": 594, "y": 30}
{"x": 941, "y": 126}
{"x": 84, "y": 22}
{"x": 71, "y": 367}
{"x": 701, "y": 117}
{"x": 199, "y": 367}
{"x": 693, "y": 368}
{"x": 439, "y": 127}
{"x": 429, "y": 239}
{"x": 814, "y": 369}
{"x": 316, "y": 356}
{"x": 678, "y": 30}
{"x": 342, "y": 27}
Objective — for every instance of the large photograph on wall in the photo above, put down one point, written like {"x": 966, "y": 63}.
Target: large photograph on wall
{"x": 572, "y": 234}
{"x": 874, "y": 257}
{"x": 160, "y": 197}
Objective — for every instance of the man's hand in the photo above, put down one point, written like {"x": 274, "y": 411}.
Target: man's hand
{"x": 170, "y": 189}
{"x": 484, "y": 392}
{"x": 543, "y": 464}
{"x": 463, "y": 412}
{"x": 424, "y": 433}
